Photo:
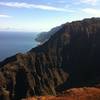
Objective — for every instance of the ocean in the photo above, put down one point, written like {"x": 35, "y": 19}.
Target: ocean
{"x": 16, "y": 42}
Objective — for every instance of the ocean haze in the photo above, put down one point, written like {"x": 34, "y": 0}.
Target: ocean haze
{"x": 15, "y": 42}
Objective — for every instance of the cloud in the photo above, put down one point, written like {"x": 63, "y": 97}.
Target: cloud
{"x": 91, "y": 11}
{"x": 28, "y": 5}
{"x": 61, "y": 1}
{"x": 91, "y": 2}
{"x": 5, "y": 16}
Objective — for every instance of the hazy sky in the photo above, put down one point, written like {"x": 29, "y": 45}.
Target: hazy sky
{"x": 42, "y": 15}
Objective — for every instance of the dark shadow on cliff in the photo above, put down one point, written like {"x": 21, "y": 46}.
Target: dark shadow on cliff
{"x": 21, "y": 85}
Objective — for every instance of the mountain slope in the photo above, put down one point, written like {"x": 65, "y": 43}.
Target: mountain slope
{"x": 70, "y": 58}
{"x": 44, "y": 36}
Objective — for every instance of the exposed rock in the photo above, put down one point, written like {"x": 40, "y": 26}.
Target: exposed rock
{"x": 85, "y": 93}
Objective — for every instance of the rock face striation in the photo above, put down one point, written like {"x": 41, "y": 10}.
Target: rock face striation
{"x": 70, "y": 58}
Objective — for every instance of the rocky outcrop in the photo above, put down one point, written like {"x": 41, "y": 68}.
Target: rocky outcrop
{"x": 70, "y": 58}
{"x": 84, "y": 93}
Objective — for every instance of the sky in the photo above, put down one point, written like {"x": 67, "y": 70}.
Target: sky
{"x": 42, "y": 15}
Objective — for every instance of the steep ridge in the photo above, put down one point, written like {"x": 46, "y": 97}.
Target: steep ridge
{"x": 70, "y": 58}
{"x": 44, "y": 36}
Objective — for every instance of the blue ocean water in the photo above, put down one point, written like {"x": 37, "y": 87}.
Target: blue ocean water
{"x": 15, "y": 42}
